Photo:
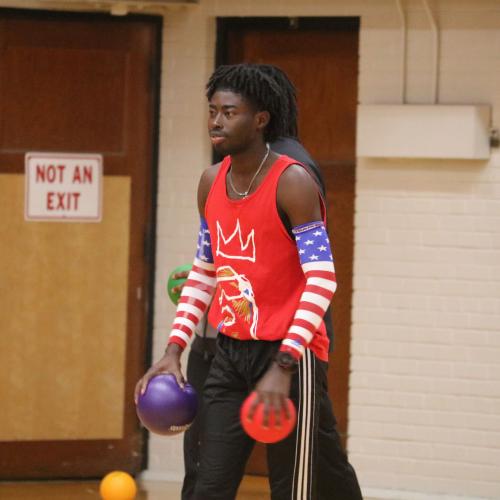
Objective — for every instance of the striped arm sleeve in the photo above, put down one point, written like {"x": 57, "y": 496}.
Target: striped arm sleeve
{"x": 197, "y": 292}
{"x": 316, "y": 260}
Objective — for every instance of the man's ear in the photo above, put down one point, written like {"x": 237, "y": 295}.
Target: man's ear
{"x": 262, "y": 119}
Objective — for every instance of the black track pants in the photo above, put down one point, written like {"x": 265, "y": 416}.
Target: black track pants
{"x": 294, "y": 463}
{"x": 199, "y": 362}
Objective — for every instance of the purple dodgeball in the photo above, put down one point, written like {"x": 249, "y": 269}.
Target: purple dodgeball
{"x": 165, "y": 408}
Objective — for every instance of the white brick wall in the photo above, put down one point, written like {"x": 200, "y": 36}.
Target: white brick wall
{"x": 425, "y": 386}
{"x": 188, "y": 48}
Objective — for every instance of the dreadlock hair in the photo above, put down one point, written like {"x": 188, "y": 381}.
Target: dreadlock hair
{"x": 281, "y": 78}
{"x": 259, "y": 89}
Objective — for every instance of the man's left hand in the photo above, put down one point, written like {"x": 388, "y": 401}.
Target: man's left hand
{"x": 272, "y": 390}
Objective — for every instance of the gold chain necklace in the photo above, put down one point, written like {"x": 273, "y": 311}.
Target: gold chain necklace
{"x": 245, "y": 193}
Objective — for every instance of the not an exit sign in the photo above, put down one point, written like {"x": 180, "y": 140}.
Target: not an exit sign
{"x": 63, "y": 187}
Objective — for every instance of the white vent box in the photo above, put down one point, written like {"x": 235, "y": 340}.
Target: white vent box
{"x": 424, "y": 131}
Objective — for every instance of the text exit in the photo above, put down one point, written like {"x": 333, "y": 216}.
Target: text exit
{"x": 63, "y": 187}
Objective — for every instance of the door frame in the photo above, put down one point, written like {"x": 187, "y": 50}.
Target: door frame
{"x": 351, "y": 23}
{"x": 33, "y": 454}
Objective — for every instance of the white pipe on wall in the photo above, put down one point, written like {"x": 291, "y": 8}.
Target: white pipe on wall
{"x": 403, "y": 50}
{"x": 435, "y": 65}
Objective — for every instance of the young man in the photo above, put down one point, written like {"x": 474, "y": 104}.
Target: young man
{"x": 272, "y": 292}
{"x": 333, "y": 467}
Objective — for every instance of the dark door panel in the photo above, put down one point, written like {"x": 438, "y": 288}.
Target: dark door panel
{"x": 320, "y": 56}
{"x": 77, "y": 83}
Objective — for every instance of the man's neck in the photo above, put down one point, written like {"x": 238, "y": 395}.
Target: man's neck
{"x": 246, "y": 162}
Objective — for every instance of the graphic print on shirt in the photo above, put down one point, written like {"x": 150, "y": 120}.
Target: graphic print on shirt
{"x": 236, "y": 298}
{"x": 232, "y": 248}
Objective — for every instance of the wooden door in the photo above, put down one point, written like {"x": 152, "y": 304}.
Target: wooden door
{"x": 320, "y": 57}
{"x": 75, "y": 297}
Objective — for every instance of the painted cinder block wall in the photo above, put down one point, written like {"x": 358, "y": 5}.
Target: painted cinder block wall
{"x": 425, "y": 381}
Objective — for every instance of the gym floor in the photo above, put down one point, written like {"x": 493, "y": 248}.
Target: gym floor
{"x": 252, "y": 488}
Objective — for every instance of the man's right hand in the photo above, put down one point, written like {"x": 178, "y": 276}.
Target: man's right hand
{"x": 169, "y": 363}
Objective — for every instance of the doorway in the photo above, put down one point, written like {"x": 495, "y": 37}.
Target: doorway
{"x": 77, "y": 298}
{"x": 320, "y": 55}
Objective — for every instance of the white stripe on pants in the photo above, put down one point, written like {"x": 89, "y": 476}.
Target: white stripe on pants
{"x": 302, "y": 480}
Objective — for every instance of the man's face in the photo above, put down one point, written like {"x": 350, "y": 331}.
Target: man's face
{"x": 233, "y": 124}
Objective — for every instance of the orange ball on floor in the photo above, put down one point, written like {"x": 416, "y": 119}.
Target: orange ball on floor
{"x": 118, "y": 485}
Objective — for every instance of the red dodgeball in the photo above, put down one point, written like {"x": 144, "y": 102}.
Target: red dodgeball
{"x": 255, "y": 428}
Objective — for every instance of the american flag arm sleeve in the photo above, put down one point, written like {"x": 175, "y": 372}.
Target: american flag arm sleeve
{"x": 197, "y": 292}
{"x": 316, "y": 260}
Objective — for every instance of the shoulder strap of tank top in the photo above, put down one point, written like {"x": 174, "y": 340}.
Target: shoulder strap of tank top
{"x": 287, "y": 161}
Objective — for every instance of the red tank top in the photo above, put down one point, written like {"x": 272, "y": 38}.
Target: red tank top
{"x": 259, "y": 276}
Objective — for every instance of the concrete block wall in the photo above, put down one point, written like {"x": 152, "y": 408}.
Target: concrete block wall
{"x": 425, "y": 380}
{"x": 188, "y": 60}
{"x": 425, "y": 383}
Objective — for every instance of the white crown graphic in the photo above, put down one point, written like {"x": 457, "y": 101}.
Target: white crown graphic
{"x": 245, "y": 251}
